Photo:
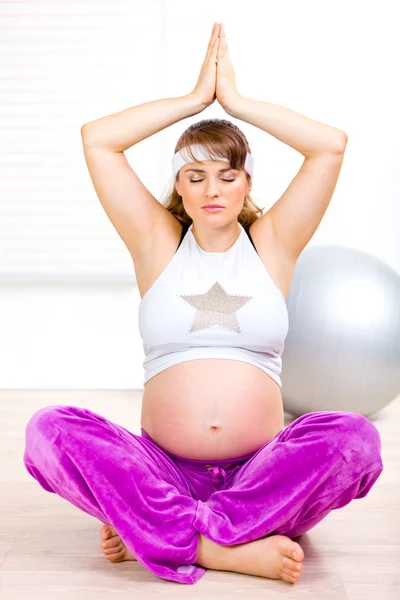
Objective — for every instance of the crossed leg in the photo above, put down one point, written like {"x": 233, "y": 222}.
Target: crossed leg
{"x": 320, "y": 462}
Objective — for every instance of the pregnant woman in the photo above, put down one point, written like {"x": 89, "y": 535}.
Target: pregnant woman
{"x": 214, "y": 480}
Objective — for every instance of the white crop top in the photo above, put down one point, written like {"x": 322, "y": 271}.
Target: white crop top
{"x": 213, "y": 305}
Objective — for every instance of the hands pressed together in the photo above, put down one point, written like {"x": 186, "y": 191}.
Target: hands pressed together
{"x": 217, "y": 78}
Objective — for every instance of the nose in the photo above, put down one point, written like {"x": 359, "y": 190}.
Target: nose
{"x": 212, "y": 188}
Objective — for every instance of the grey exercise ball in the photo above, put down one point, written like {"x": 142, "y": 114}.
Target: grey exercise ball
{"x": 342, "y": 351}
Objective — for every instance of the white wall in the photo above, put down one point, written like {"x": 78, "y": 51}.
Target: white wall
{"x": 68, "y": 299}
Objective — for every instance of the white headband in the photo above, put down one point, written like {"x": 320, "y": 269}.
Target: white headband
{"x": 181, "y": 158}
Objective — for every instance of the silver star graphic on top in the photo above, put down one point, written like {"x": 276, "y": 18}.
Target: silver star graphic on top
{"x": 216, "y": 307}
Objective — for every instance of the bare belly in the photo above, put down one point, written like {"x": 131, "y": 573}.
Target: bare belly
{"x": 212, "y": 409}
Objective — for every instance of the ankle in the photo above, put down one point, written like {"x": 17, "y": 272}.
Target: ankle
{"x": 211, "y": 555}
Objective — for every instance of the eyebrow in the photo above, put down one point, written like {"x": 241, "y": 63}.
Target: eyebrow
{"x": 203, "y": 171}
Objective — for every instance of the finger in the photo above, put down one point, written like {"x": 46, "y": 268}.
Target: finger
{"x": 212, "y": 48}
{"x": 222, "y": 35}
{"x": 223, "y": 46}
{"x": 214, "y": 33}
{"x": 214, "y": 55}
{"x": 210, "y": 43}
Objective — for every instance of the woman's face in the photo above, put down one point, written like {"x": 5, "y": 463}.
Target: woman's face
{"x": 212, "y": 182}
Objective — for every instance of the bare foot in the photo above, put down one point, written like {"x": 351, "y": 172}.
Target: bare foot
{"x": 269, "y": 557}
{"x": 113, "y": 547}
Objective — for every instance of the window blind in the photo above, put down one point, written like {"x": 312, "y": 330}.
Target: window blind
{"x": 63, "y": 64}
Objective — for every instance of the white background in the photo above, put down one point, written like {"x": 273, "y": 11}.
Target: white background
{"x": 68, "y": 297}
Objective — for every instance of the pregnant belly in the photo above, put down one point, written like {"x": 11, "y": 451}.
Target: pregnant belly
{"x": 212, "y": 409}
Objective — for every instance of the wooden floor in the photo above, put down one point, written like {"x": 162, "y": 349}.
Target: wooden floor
{"x": 49, "y": 549}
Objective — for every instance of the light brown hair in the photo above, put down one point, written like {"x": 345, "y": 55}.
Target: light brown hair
{"x": 219, "y": 137}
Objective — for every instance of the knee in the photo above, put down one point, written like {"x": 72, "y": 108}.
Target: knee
{"x": 44, "y": 422}
{"x": 41, "y": 432}
{"x": 359, "y": 440}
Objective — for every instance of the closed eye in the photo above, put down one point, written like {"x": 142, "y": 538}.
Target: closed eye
{"x": 197, "y": 180}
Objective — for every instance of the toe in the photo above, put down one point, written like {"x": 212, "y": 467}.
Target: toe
{"x": 290, "y": 572}
{"x": 292, "y": 565}
{"x": 287, "y": 547}
{"x": 297, "y": 552}
{"x": 289, "y": 575}
{"x": 116, "y": 556}
{"x": 111, "y": 542}
{"x": 107, "y": 531}
{"x": 113, "y": 550}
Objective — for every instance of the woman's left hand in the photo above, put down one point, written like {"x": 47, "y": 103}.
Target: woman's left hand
{"x": 225, "y": 88}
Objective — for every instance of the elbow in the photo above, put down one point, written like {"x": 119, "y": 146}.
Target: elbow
{"x": 84, "y": 128}
{"x": 344, "y": 141}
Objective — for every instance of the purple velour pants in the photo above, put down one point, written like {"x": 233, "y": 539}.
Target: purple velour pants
{"x": 159, "y": 502}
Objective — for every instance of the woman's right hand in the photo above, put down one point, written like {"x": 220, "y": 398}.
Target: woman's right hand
{"x": 206, "y": 83}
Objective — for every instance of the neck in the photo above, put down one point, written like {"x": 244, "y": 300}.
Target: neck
{"x": 216, "y": 239}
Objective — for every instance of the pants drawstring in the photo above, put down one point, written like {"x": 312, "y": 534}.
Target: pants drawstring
{"x": 217, "y": 471}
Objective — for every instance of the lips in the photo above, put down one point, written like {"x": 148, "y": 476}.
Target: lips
{"x": 213, "y": 206}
